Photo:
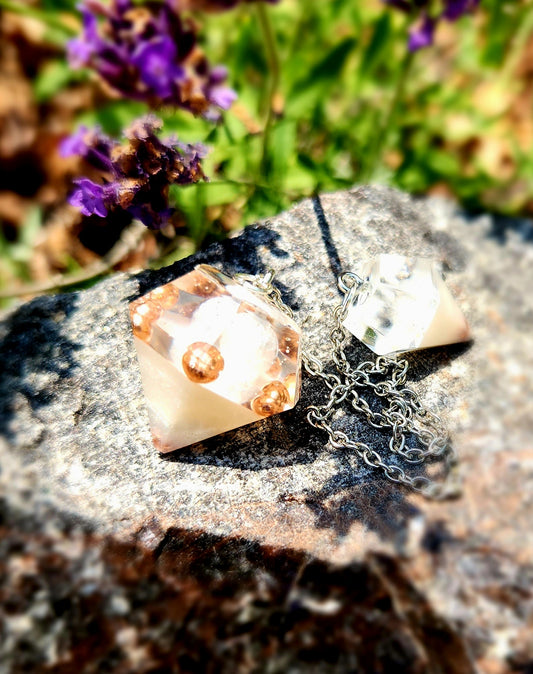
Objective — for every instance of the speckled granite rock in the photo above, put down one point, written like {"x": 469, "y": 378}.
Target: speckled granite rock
{"x": 263, "y": 549}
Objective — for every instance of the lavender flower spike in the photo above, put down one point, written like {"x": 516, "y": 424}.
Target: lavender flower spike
{"x": 135, "y": 175}
{"x": 74, "y": 144}
{"x": 426, "y": 18}
{"x": 149, "y": 53}
{"x": 454, "y": 9}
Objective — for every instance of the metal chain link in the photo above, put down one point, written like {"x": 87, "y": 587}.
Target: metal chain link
{"x": 401, "y": 411}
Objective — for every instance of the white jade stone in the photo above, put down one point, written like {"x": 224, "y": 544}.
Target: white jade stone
{"x": 404, "y": 305}
{"x": 213, "y": 317}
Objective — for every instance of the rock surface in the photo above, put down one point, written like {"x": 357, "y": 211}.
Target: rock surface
{"x": 264, "y": 549}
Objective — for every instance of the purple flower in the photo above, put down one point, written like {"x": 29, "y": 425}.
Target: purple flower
{"x": 156, "y": 64}
{"x": 89, "y": 198}
{"x": 425, "y": 19}
{"x": 149, "y": 53}
{"x": 92, "y": 145}
{"x": 454, "y": 9}
{"x": 80, "y": 50}
{"x": 137, "y": 174}
{"x": 421, "y": 34}
{"x": 222, "y": 96}
{"x": 74, "y": 144}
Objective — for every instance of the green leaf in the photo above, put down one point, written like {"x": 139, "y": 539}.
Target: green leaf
{"x": 282, "y": 149}
{"x": 114, "y": 117}
{"x": 16, "y": 255}
{"x": 378, "y": 46}
{"x": 220, "y": 193}
{"x": 59, "y": 5}
{"x": 443, "y": 163}
{"x": 329, "y": 68}
{"x": 54, "y": 76}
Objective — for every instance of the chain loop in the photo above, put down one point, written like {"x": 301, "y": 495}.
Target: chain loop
{"x": 401, "y": 411}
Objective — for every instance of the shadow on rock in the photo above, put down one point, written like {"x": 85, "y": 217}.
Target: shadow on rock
{"x": 370, "y": 499}
{"x": 234, "y": 256}
{"x": 501, "y": 226}
{"x": 357, "y": 492}
{"x": 186, "y": 601}
{"x": 428, "y": 361}
{"x": 35, "y": 355}
{"x": 334, "y": 260}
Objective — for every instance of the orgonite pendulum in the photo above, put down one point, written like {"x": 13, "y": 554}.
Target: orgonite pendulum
{"x": 214, "y": 355}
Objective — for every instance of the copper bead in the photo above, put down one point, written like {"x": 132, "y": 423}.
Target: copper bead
{"x": 291, "y": 382}
{"x": 271, "y": 400}
{"x": 202, "y": 362}
{"x": 289, "y": 343}
{"x": 199, "y": 284}
{"x": 143, "y": 313}
{"x": 165, "y": 296}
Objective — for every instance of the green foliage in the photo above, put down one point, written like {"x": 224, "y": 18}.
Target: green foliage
{"x": 15, "y": 255}
{"x": 53, "y": 77}
{"x": 339, "y": 101}
{"x": 354, "y": 106}
{"x": 21, "y": 250}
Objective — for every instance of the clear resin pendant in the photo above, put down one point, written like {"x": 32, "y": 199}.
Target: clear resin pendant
{"x": 404, "y": 305}
{"x": 213, "y": 356}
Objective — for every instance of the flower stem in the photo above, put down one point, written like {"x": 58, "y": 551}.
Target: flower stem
{"x": 275, "y": 73}
{"x": 517, "y": 44}
{"x": 381, "y": 138}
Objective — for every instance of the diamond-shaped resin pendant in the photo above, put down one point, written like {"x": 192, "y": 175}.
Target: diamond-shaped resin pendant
{"x": 403, "y": 305}
{"x": 213, "y": 356}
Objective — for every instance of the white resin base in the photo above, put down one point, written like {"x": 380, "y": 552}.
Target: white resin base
{"x": 448, "y": 326}
{"x": 181, "y": 412}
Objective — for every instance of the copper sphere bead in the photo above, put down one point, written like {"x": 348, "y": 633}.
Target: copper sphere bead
{"x": 165, "y": 296}
{"x": 197, "y": 283}
{"x": 202, "y": 362}
{"x": 291, "y": 383}
{"x": 289, "y": 343}
{"x": 271, "y": 400}
{"x": 143, "y": 313}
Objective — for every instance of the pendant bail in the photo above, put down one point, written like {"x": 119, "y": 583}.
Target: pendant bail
{"x": 348, "y": 280}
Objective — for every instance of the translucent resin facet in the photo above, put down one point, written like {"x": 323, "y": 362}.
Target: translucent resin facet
{"x": 213, "y": 356}
{"x": 404, "y": 305}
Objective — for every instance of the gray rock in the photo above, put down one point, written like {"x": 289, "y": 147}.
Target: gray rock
{"x": 77, "y": 461}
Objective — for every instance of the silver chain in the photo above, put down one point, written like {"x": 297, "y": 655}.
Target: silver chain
{"x": 401, "y": 410}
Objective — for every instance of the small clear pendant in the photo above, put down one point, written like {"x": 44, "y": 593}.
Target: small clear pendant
{"x": 404, "y": 305}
